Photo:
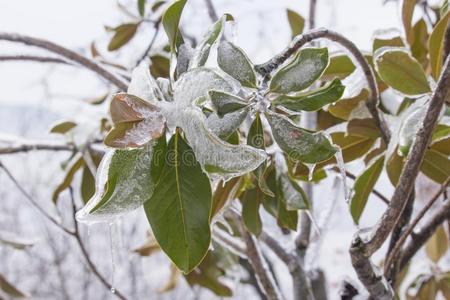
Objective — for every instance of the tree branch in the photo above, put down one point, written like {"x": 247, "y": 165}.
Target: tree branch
{"x": 69, "y": 54}
{"x": 36, "y": 146}
{"x": 372, "y": 104}
{"x": 33, "y": 58}
{"x": 312, "y": 14}
{"x": 150, "y": 46}
{"x": 396, "y": 250}
{"x": 211, "y": 11}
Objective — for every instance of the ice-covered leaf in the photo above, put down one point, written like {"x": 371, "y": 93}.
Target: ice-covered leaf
{"x": 141, "y": 7}
{"x": 136, "y": 122}
{"x": 409, "y": 128}
{"x": 160, "y": 67}
{"x": 143, "y": 84}
{"x": 225, "y": 103}
{"x": 202, "y": 50}
{"x": 387, "y": 38}
{"x": 235, "y": 62}
{"x": 292, "y": 194}
{"x": 125, "y": 180}
{"x": 344, "y": 107}
{"x": 306, "y": 67}
{"x": 63, "y": 127}
{"x": 179, "y": 209}
{"x": 217, "y": 157}
{"x": 300, "y": 144}
{"x": 407, "y": 15}
{"x": 9, "y": 289}
{"x": 250, "y": 210}
{"x": 364, "y": 185}
{"x": 401, "y": 71}
{"x": 437, "y": 245}
{"x": 171, "y": 19}
{"x": 225, "y": 126}
{"x": 314, "y": 100}
{"x": 296, "y": 22}
{"x": 123, "y": 34}
{"x": 16, "y": 241}
{"x": 436, "y": 45}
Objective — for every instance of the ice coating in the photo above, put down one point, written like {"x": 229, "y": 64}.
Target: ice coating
{"x": 130, "y": 185}
{"x": 341, "y": 166}
{"x": 226, "y": 125}
{"x": 141, "y": 83}
{"x": 219, "y": 159}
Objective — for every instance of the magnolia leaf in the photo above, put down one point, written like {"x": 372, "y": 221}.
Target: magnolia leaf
{"x": 436, "y": 45}
{"x": 250, "y": 211}
{"x": 225, "y": 126}
{"x": 171, "y": 282}
{"x": 292, "y": 194}
{"x": 409, "y": 128}
{"x": 141, "y": 7}
{"x": 125, "y": 180}
{"x": 217, "y": 157}
{"x": 76, "y": 163}
{"x": 225, "y": 103}
{"x": 9, "y": 289}
{"x": 424, "y": 287}
{"x": 300, "y": 144}
{"x": 306, "y": 67}
{"x": 137, "y": 122}
{"x": 88, "y": 179}
{"x": 385, "y": 39}
{"x": 235, "y": 62}
{"x": 394, "y": 166}
{"x": 123, "y": 34}
{"x": 296, "y": 22}
{"x": 142, "y": 84}
{"x": 160, "y": 66}
{"x": 340, "y": 66}
{"x": 343, "y": 108}
{"x": 419, "y": 45}
{"x": 149, "y": 247}
{"x": 365, "y": 128}
{"x": 171, "y": 20}
{"x": 201, "y": 53}
{"x": 401, "y": 71}
{"x": 364, "y": 185}
{"x": 255, "y": 138}
{"x": 63, "y": 127}
{"x": 224, "y": 192}
{"x": 444, "y": 286}
{"x": 16, "y": 241}
{"x": 437, "y": 245}
{"x": 436, "y": 165}
{"x": 314, "y": 100}
{"x": 179, "y": 209}
{"x": 407, "y": 14}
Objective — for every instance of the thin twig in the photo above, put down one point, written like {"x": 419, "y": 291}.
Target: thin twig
{"x": 67, "y": 53}
{"x": 374, "y": 191}
{"x": 37, "y": 146}
{"x": 228, "y": 242}
{"x": 312, "y": 14}
{"x": 34, "y": 58}
{"x": 265, "y": 69}
{"x": 150, "y": 46}
{"x": 211, "y": 11}
{"x": 413, "y": 224}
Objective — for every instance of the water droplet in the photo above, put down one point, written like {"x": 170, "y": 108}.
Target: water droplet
{"x": 311, "y": 168}
{"x": 113, "y": 290}
{"x": 341, "y": 166}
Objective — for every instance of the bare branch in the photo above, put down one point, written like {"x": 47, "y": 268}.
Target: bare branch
{"x": 413, "y": 224}
{"x": 69, "y": 54}
{"x": 374, "y": 191}
{"x": 150, "y": 46}
{"x": 228, "y": 242}
{"x": 36, "y": 146}
{"x": 211, "y": 11}
{"x": 34, "y": 58}
{"x": 372, "y": 104}
{"x": 312, "y": 14}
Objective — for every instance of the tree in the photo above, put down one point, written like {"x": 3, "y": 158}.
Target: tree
{"x": 206, "y": 146}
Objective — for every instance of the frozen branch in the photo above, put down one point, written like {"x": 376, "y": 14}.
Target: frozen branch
{"x": 34, "y": 58}
{"x": 69, "y": 54}
{"x": 151, "y": 44}
{"x": 228, "y": 242}
{"x": 36, "y": 146}
{"x": 312, "y": 14}
{"x": 298, "y": 42}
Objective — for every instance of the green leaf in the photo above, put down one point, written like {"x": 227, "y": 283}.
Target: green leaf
{"x": 224, "y": 192}
{"x": 407, "y": 14}
{"x": 306, "y": 67}
{"x": 171, "y": 20}
{"x": 409, "y": 128}
{"x": 298, "y": 143}
{"x": 424, "y": 287}
{"x": 255, "y": 138}
{"x": 340, "y": 66}
{"x": 63, "y": 127}
{"x": 401, "y": 71}
{"x": 314, "y": 100}
{"x": 291, "y": 193}
{"x": 9, "y": 289}
{"x": 365, "y": 128}
{"x": 296, "y": 22}
{"x": 160, "y": 66}
{"x": 437, "y": 245}
{"x": 379, "y": 42}
{"x": 123, "y": 34}
{"x": 436, "y": 45}
{"x": 250, "y": 211}
{"x": 141, "y": 7}
{"x": 179, "y": 209}
{"x": 364, "y": 185}
{"x": 125, "y": 180}
{"x": 75, "y": 164}
{"x": 233, "y": 61}
{"x": 436, "y": 165}
{"x": 343, "y": 108}
{"x": 419, "y": 42}
{"x": 225, "y": 103}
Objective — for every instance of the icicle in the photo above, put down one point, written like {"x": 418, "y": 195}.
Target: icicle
{"x": 341, "y": 166}
{"x": 112, "y": 246}
{"x": 311, "y": 168}
{"x": 313, "y": 222}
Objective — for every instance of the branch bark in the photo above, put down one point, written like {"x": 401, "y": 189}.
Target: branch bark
{"x": 67, "y": 53}
{"x": 266, "y": 68}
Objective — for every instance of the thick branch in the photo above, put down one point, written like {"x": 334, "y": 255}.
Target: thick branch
{"x": 69, "y": 54}
{"x": 372, "y": 104}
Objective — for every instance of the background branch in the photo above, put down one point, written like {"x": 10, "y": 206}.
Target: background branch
{"x": 34, "y": 58}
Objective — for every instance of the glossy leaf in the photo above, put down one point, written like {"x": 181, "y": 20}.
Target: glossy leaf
{"x": 235, "y": 62}
{"x": 306, "y": 67}
{"x": 179, "y": 209}
{"x": 401, "y": 71}
{"x": 250, "y": 211}
{"x": 364, "y": 185}
{"x": 125, "y": 180}
{"x": 298, "y": 143}
{"x": 296, "y": 22}
{"x": 123, "y": 34}
{"x": 225, "y": 103}
{"x": 436, "y": 45}
{"x": 224, "y": 192}
{"x": 171, "y": 20}
{"x": 314, "y": 100}
{"x": 365, "y": 128}
{"x": 409, "y": 128}
{"x": 437, "y": 245}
